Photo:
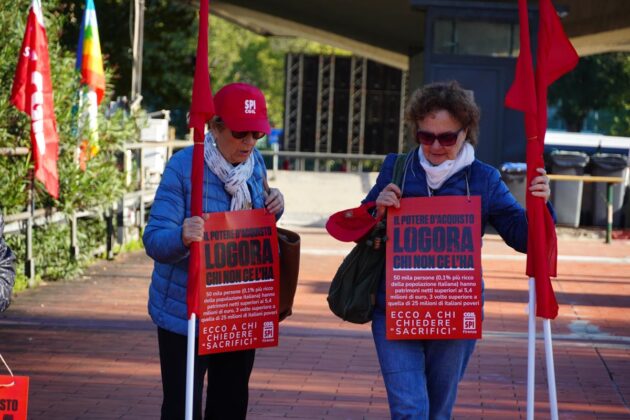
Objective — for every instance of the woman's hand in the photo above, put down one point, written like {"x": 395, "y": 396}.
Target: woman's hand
{"x": 192, "y": 230}
{"x": 540, "y": 185}
{"x": 274, "y": 201}
{"x": 388, "y": 197}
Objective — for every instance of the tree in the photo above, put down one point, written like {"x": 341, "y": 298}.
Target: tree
{"x": 236, "y": 55}
{"x": 170, "y": 40}
{"x": 115, "y": 35}
{"x": 599, "y": 82}
{"x": 99, "y": 186}
{"x": 102, "y": 182}
{"x": 621, "y": 110}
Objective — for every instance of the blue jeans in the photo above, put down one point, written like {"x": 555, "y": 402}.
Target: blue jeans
{"x": 421, "y": 376}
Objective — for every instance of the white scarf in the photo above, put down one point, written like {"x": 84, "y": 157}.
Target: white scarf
{"x": 234, "y": 178}
{"x": 437, "y": 175}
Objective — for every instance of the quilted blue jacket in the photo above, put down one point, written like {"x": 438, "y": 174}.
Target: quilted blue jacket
{"x": 498, "y": 205}
{"x": 163, "y": 234}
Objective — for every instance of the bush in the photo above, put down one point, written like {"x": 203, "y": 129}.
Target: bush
{"x": 98, "y": 187}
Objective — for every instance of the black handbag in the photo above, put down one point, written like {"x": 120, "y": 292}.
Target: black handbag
{"x": 352, "y": 293}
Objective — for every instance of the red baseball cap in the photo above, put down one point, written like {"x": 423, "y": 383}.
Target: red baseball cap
{"x": 352, "y": 224}
{"x": 242, "y": 107}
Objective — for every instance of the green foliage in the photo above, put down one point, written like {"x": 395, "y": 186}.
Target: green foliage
{"x": 114, "y": 34}
{"x": 101, "y": 183}
{"x": 169, "y": 48}
{"x": 130, "y": 246}
{"x": 621, "y": 109}
{"x": 12, "y": 20}
{"x": 14, "y": 182}
{"x": 51, "y": 248}
{"x": 170, "y": 42}
{"x": 239, "y": 55}
{"x": 51, "y": 251}
{"x": 21, "y": 282}
{"x": 236, "y": 55}
{"x": 599, "y": 82}
{"x": 98, "y": 187}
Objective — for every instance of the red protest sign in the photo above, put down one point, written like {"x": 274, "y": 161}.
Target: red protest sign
{"x": 13, "y": 397}
{"x": 433, "y": 268}
{"x": 239, "y": 282}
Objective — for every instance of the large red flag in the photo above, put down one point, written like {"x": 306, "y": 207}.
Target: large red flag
{"x": 32, "y": 94}
{"x": 201, "y": 110}
{"x": 528, "y": 93}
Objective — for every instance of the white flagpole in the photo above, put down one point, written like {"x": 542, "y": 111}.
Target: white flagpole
{"x": 551, "y": 370}
{"x": 531, "y": 349}
{"x": 92, "y": 114}
{"x": 80, "y": 124}
{"x": 190, "y": 366}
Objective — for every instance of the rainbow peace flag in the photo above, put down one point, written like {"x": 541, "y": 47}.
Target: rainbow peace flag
{"x": 89, "y": 58}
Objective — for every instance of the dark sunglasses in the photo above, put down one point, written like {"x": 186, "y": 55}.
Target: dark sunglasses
{"x": 257, "y": 135}
{"x": 446, "y": 139}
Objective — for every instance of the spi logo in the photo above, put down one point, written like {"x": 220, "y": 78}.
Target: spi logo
{"x": 470, "y": 321}
{"x": 250, "y": 106}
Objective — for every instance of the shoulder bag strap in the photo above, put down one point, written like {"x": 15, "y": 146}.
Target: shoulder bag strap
{"x": 400, "y": 166}
{"x": 266, "y": 186}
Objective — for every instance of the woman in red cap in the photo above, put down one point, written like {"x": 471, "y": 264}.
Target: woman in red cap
{"x": 421, "y": 376}
{"x": 234, "y": 175}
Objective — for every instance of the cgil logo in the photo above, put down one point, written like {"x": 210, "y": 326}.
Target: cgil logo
{"x": 250, "y": 106}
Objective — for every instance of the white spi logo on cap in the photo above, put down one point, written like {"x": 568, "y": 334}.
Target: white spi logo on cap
{"x": 250, "y": 106}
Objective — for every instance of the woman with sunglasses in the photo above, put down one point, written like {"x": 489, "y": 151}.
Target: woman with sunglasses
{"x": 234, "y": 175}
{"x": 421, "y": 376}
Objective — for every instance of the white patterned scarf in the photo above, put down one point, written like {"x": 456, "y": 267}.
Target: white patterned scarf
{"x": 437, "y": 175}
{"x": 234, "y": 178}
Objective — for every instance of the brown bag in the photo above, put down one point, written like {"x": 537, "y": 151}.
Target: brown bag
{"x": 289, "y": 244}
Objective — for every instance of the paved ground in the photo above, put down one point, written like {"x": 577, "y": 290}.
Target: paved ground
{"x": 90, "y": 350}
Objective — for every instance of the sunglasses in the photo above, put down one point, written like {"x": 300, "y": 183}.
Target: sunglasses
{"x": 445, "y": 139}
{"x": 240, "y": 135}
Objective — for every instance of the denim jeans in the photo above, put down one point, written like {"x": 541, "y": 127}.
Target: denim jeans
{"x": 421, "y": 376}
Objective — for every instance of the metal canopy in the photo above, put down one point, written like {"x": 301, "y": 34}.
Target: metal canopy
{"x": 385, "y": 31}
{"x": 392, "y": 31}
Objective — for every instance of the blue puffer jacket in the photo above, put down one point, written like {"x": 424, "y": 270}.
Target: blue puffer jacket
{"x": 163, "y": 234}
{"x": 498, "y": 205}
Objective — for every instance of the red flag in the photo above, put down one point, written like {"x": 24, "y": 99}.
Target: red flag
{"x": 528, "y": 93}
{"x": 522, "y": 93}
{"x": 201, "y": 110}
{"x": 32, "y": 94}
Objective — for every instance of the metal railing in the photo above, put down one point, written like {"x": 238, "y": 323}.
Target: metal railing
{"x": 135, "y": 202}
{"x": 14, "y": 151}
{"x": 610, "y": 182}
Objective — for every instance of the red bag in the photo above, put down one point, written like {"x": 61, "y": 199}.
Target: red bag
{"x": 13, "y": 396}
